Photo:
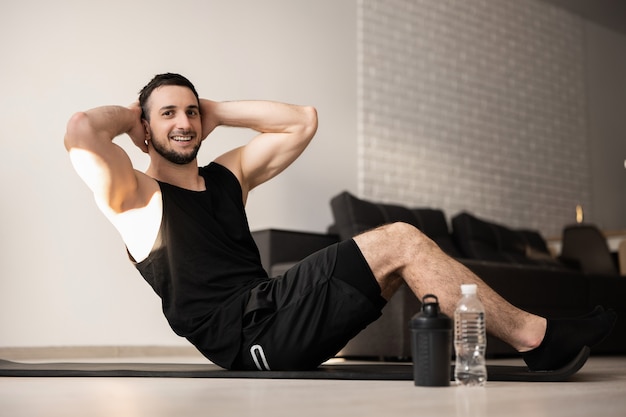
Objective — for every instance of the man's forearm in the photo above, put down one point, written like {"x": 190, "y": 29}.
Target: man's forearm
{"x": 285, "y": 130}
{"x": 262, "y": 116}
{"x": 114, "y": 120}
{"x": 106, "y": 122}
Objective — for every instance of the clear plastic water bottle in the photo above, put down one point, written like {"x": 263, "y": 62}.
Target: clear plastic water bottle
{"x": 470, "y": 339}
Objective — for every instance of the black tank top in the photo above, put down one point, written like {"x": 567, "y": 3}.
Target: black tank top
{"x": 204, "y": 262}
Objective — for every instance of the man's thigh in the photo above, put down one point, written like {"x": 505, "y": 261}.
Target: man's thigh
{"x": 305, "y": 317}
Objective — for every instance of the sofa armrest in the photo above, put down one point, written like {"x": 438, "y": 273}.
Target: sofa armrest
{"x": 286, "y": 246}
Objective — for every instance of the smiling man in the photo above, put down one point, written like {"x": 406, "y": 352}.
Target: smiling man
{"x": 186, "y": 230}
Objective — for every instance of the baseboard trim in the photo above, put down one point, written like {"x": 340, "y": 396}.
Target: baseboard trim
{"x": 88, "y": 352}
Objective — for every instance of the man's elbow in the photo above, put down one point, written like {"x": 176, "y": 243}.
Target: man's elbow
{"x": 76, "y": 128}
{"x": 310, "y": 123}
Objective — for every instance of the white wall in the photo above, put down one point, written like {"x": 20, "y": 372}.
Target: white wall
{"x": 64, "y": 278}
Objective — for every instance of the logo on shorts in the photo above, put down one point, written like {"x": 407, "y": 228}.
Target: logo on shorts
{"x": 258, "y": 356}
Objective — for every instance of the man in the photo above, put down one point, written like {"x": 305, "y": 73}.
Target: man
{"x": 185, "y": 228}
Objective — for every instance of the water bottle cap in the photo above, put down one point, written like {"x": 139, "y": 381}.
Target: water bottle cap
{"x": 467, "y": 289}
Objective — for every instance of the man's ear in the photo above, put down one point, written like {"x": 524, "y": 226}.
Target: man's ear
{"x": 146, "y": 128}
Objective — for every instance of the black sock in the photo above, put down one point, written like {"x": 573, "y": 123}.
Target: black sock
{"x": 565, "y": 338}
{"x": 597, "y": 310}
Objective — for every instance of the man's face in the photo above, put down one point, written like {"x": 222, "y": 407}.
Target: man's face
{"x": 175, "y": 124}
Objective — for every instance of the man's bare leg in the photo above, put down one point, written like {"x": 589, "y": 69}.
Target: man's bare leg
{"x": 399, "y": 252}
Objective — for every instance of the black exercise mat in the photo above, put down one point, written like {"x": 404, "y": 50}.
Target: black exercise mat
{"x": 348, "y": 371}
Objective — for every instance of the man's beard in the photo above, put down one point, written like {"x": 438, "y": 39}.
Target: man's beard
{"x": 173, "y": 156}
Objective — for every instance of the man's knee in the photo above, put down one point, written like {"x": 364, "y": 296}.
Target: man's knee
{"x": 399, "y": 239}
{"x": 389, "y": 249}
{"x": 405, "y": 232}
{"x": 401, "y": 228}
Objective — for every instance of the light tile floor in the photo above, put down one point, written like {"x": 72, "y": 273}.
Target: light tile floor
{"x": 599, "y": 389}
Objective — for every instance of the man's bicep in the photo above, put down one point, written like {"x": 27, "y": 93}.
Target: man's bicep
{"x": 268, "y": 155}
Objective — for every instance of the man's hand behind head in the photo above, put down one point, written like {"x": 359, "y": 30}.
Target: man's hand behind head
{"x": 137, "y": 132}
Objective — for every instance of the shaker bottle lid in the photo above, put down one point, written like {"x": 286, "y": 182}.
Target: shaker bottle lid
{"x": 430, "y": 317}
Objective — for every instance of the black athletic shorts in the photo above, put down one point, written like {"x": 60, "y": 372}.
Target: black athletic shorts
{"x": 303, "y": 318}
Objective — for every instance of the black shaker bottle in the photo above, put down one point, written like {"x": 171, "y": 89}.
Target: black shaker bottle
{"x": 431, "y": 344}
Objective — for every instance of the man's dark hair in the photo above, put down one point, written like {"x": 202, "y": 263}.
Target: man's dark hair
{"x": 159, "y": 81}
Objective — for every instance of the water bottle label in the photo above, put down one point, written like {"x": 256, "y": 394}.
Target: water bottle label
{"x": 469, "y": 345}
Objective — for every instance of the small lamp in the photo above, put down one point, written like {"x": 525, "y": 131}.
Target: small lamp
{"x": 580, "y": 215}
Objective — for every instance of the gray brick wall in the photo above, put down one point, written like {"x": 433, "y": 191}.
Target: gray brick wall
{"x": 475, "y": 105}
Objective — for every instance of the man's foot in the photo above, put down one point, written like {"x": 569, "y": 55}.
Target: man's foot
{"x": 565, "y": 338}
{"x": 597, "y": 310}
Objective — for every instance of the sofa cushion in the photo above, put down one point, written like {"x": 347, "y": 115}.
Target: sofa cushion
{"x": 511, "y": 244}
{"x": 476, "y": 239}
{"x": 354, "y": 215}
{"x": 489, "y": 241}
{"x": 434, "y": 225}
{"x": 534, "y": 240}
{"x": 537, "y": 249}
{"x": 394, "y": 213}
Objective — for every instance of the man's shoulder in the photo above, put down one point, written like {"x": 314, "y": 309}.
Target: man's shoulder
{"x": 146, "y": 181}
{"x": 139, "y": 223}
